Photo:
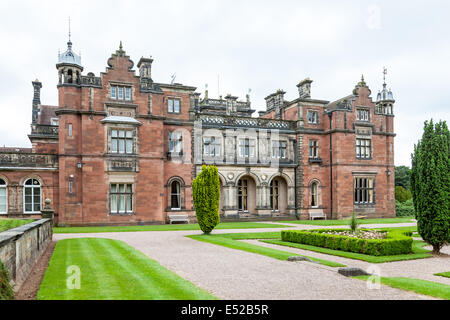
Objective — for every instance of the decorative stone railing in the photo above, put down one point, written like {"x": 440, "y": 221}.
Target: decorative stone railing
{"x": 43, "y": 129}
{"x": 244, "y": 122}
{"x": 18, "y": 159}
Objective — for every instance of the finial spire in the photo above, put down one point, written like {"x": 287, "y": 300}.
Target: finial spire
{"x": 384, "y": 75}
{"x": 120, "y": 46}
{"x": 69, "y": 29}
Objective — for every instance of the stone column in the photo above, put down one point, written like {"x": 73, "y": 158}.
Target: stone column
{"x": 230, "y": 205}
{"x": 263, "y": 206}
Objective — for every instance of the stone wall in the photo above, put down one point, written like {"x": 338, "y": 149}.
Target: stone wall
{"x": 21, "y": 247}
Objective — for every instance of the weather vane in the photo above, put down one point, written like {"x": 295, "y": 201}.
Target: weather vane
{"x": 384, "y": 74}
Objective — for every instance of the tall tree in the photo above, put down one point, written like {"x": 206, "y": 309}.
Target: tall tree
{"x": 430, "y": 184}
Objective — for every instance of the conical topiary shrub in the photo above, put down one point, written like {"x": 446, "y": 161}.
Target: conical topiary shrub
{"x": 206, "y": 195}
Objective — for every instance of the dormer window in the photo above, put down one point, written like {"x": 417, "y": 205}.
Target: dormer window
{"x": 120, "y": 93}
{"x": 54, "y": 121}
{"x": 362, "y": 115}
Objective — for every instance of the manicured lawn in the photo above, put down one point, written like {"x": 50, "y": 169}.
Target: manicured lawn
{"x": 231, "y": 241}
{"x": 443, "y": 274}
{"x": 165, "y": 227}
{"x": 429, "y": 288}
{"x": 6, "y": 224}
{"x": 346, "y": 222}
{"x": 112, "y": 270}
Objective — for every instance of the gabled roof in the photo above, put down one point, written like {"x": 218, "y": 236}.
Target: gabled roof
{"x": 46, "y": 113}
{"x": 340, "y": 103}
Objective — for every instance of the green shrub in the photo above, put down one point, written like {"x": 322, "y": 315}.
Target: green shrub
{"x": 402, "y": 195}
{"x": 405, "y": 209}
{"x": 396, "y": 242}
{"x": 206, "y": 195}
{"x": 6, "y": 290}
{"x": 354, "y": 223}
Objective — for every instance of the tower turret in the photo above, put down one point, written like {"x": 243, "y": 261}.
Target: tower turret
{"x": 69, "y": 66}
{"x": 385, "y": 98}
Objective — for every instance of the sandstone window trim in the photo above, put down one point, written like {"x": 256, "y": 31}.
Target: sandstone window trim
{"x": 363, "y": 148}
{"x": 54, "y": 121}
{"x": 363, "y": 190}
{"x": 275, "y": 195}
{"x": 242, "y": 195}
{"x": 174, "y": 105}
{"x": 178, "y": 197}
{"x": 3, "y": 196}
{"x": 247, "y": 147}
{"x": 314, "y": 194}
{"x": 121, "y": 140}
{"x": 175, "y": 195}
{"x": 279, "y": 148}
{"x": 176, "y": 142}
{"x": 121, "y": 198}
{"x": 313, "y": 117}
{"x": 32, "y": 196}
{"x": 313, "y": 149}
{"x": 120, "y": 92}
{"x": 212, "y": 146}
{"x": 363, "y": 114}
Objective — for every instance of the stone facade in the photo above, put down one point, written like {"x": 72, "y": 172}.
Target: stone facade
{"x": 122, "y": 149}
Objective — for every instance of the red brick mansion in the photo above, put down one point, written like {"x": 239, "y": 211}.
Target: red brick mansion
{"x": 120, "y": 148}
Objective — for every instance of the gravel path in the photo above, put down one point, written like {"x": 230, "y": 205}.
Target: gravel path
{"x": 234, "y": 274}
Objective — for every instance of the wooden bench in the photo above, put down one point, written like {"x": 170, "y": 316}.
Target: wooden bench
{"x": 317, "y": 214}
{"x": 178, "y": 218}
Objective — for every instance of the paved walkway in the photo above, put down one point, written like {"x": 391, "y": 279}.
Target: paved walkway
{"x": 234, "y": 274}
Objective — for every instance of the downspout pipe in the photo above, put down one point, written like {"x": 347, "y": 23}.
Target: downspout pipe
{"x": 295, "y": 180}
{"x": 330, "y": 116}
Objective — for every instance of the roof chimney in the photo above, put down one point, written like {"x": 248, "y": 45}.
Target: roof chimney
{"x": 304, "y": 89}
{"x": 36, "y": 100}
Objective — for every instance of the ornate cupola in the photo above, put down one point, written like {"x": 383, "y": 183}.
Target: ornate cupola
{"x": 385, "y": 99}
{"x": 69, "y": 66}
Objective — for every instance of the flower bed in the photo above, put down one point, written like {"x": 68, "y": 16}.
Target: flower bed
{"x": 395, "y": 242}
{"x": 360, "y": 234}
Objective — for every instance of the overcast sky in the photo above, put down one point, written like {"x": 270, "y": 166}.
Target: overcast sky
{"x": 262, "y": 45}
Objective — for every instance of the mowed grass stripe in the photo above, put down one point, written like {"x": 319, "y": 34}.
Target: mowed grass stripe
{"x": 107, "y": 257}
{"x": 112, "y": 270}
{"x": 169, "y": 282}
{"x": 167, "y": 227}
{"x": 128, "y": 265}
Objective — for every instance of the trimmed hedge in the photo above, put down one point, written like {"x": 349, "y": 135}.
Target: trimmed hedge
{"x": 396, "y": 242}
